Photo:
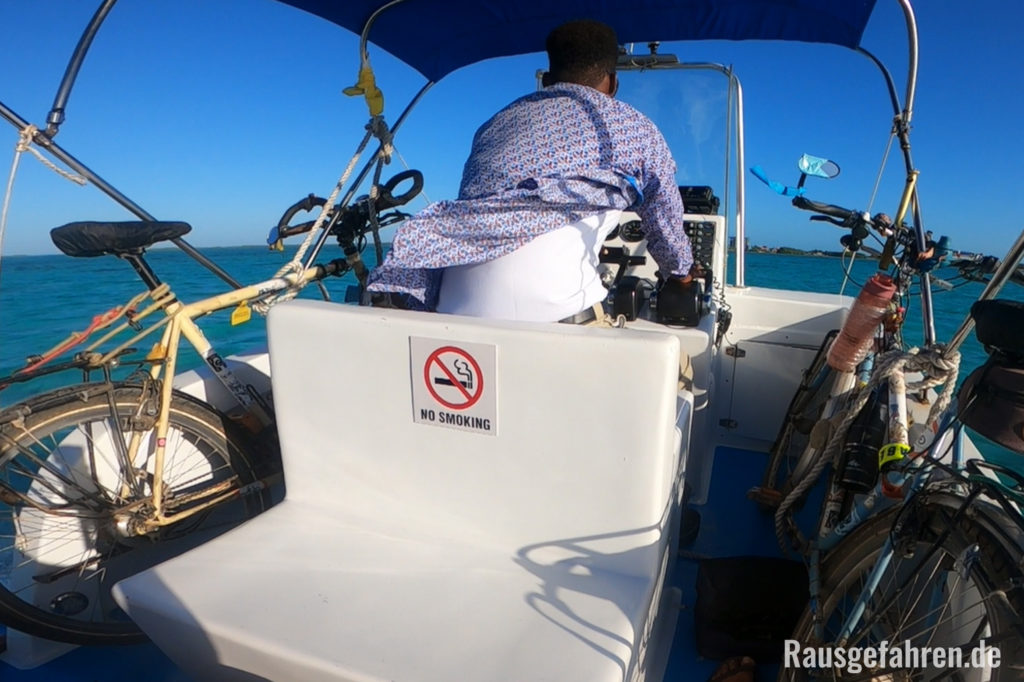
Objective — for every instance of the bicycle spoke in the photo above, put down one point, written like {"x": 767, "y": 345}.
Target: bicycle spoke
{"x": 76, "y": 517}
{"x": 945, "y": 607}
{"x": 42, "y": 464}
{"x": 920, "y": 593}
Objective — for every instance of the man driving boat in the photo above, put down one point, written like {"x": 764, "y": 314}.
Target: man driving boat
{"x": 546, "y": 181}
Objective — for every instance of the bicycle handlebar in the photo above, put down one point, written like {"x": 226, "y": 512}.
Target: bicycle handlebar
{"x": 386, "y": 199}
{"x": 858, "y": 222}
{"x": 357, "y": 212}
{"x": 981, "y": 269}
{"x": 305, "y": 204}
{"x": 832, "y": 210}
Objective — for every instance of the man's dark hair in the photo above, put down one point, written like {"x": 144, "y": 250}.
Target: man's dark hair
{"x": 581, "y": 52}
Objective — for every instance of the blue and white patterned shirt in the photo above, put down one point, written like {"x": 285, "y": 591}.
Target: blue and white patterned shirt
{"x": 548, "y": 159}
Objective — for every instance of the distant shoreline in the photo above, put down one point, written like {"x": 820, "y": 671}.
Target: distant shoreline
{"x": 789, "y": 251}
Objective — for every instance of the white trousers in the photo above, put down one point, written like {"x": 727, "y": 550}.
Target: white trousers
{"x": 550, "y": 277}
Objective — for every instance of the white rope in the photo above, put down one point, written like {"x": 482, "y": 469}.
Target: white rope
{"x": 24, "y": 144}
{"x": 7, "y": 201}
{"x": 375, "y": 128}
{"x": 938, "y": 366}
{"x": 405, "y": 163}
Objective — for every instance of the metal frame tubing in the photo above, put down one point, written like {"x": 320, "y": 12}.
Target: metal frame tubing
{"x": 56, "y": 116}
{"x": 74, "y": 164}
{"x": 733, "y": 129}
{"x": 322, "y": 239}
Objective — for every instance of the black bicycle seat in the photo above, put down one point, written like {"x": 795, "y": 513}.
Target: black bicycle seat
{"x": 88, "y": 239}
{"x": 1000, "y": 325}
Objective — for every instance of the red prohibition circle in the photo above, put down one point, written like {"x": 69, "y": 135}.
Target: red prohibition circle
{"x": 435, "y": 357}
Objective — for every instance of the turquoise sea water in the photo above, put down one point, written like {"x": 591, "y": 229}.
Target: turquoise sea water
{"x": 43, "y": 299}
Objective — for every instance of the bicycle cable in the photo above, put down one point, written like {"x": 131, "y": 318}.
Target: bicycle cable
{"x": 881, "y": 170}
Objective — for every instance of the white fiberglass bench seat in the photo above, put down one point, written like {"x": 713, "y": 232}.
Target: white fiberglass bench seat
{"x": 532, "y": 549}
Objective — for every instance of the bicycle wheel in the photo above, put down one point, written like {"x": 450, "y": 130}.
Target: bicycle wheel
{"x": 970, "y": 589}
{"x": 789, "y": 458}
{"x": 66, "y": 504}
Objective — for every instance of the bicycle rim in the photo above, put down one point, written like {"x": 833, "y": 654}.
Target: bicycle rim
{"x": 786, "y": 460}
{"x": 790, "y": 457}
{"x": 967, "y": 591}
{"x": 65, "y": 504}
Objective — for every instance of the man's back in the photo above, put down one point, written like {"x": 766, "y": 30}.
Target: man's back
{"x": 566, "y": 130}
{"x": 549, "y": 161}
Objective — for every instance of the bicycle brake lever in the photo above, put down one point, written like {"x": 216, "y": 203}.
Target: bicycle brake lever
{"x": 828, "y": 219}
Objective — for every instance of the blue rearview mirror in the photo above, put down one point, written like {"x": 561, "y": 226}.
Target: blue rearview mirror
{"x": 818, "y": 167}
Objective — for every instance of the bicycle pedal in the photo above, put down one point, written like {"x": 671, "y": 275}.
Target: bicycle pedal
{"x": 766, "y": 497}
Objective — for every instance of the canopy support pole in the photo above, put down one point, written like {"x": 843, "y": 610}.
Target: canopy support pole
{"x": 326, "y": 232}
{"x": 56, "y": 115}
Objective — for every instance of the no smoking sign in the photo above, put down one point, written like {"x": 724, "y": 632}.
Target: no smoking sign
{"x": 453, "y": 378}
{"x": 454, "y": 384}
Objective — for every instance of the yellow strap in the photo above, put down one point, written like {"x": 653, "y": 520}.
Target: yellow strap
{"x": 367, "y": 87}
{"x": 892, "y": 452}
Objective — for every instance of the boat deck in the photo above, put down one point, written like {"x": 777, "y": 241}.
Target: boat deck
{"x": 730, "y": 526}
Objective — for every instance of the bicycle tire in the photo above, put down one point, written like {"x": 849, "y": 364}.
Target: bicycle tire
{"x": 787, "y": 459}
{"x": 61, "y": 550}
{"x": 994, "y": 571}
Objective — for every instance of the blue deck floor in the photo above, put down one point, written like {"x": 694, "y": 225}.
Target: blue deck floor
{"x": 731, "y": 525}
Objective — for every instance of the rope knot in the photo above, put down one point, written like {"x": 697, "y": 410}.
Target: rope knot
{"x": 25, "y": 137}
{"x": 378, "y": 127}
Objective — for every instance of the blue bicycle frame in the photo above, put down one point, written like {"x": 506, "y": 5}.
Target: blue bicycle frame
{"x": 911, "y": 478}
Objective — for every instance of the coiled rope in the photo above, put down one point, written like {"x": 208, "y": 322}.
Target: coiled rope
{"x": 938, "y": 367}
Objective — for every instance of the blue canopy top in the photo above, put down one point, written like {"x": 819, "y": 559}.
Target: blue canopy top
{"x": 436, "y": 37}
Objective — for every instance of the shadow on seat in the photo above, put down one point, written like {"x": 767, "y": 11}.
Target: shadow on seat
{"x": 410, "y": 550}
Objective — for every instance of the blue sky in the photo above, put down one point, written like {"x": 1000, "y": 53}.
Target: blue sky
{"x": 224, "y": 112}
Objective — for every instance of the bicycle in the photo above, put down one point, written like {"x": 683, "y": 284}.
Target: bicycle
{"x": 957, "y": 525}
{"x": 907, "y": 513}
{"x": 942, "y": 569}
{"x": 104, "y": 478}
{"x": 838, "y": 372}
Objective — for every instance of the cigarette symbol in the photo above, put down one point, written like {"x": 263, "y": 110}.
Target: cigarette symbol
{"x": 463, "y": 370}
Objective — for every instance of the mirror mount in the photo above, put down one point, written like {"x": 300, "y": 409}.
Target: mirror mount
{"x": 629, "y": 61}
{"x": 808, "y": 165}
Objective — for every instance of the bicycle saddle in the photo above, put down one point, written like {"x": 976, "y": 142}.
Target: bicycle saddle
{"x": 88, "y": 239}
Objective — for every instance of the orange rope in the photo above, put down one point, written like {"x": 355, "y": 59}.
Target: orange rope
{"x": 98, "y": 322}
